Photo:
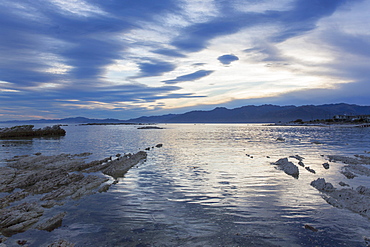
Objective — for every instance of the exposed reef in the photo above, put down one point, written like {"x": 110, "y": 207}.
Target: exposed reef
{"x": 32, "y": 185}
{"x": 356, "y": 200}
{"x": 29, "y": 131}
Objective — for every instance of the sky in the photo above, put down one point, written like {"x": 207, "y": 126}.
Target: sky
{"x": 130, "y": 58}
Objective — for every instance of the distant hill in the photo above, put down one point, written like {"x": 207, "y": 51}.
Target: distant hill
{"x": 245, "y": 114}
{"x": 259, "y": 114}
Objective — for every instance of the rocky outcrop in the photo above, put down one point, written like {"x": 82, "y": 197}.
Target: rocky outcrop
{"x": 288, "y": 167}
{"x": 321, "y": 185}
{"x": 19, "y": 218}
{"x": 357, "y": 200}
{"x": 38, "y": 183}
{"x": 120, "y": 166}
{"x": 29, "y": 131}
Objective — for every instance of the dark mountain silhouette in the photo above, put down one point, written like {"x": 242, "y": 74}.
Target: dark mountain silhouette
{"x": 259, "y": 114}
{"x": 245, "y": 114}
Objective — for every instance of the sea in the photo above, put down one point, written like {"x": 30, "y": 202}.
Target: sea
{"x": 208, "y": 185}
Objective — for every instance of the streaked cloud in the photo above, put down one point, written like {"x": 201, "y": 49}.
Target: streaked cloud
{"x": 63, "y": 58}
{"x": 190, "y": 77}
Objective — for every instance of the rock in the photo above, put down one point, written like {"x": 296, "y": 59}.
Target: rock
{"x": 316, "y": 142}
{"x": 280, "y": 139}
{"x": 76, "y": 189}
{"x": 358, "y": 169}
{"x": 51, "y": 223}
{"x": 56, "y": 178}
{"x": 149, "y": 127}
{"x": 321, "y": 185}
{"x": 347, "y": 173}
{"x": 296, "y": 157}
{"x": 28, "y": 131}
{"x": 21, "y": 242}
{"x": 159, "y": 145}
{"x": 104, "y": 188}
{"x": 301, "y": 163}
{"x": 19, "y": 218}
{"x": 17, "y": 196}
{"x": 7, "y": 176}
{"x": 359, "y": 159}
{"x": 311, "y": 228}
{"x": 310, "y": 170}
{"x": 357, "y": 200}
{"x": 288, "y": 167}
{"x": 326, "y": 165}
{"x": 363, "y": 190}
{"x": 343, "y": 184}
{"x": 117, "y": 168}
{"x": 61, "y": 243}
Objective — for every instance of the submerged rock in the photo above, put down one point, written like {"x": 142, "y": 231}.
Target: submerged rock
{"x": 281, "y": 139}
{"x": 51, "y": 223}
{"x": 61, "y": 243}
{"x": 311, "y": 228}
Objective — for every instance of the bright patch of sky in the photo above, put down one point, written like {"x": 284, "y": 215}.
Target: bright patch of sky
{"x": 124, "y": 59}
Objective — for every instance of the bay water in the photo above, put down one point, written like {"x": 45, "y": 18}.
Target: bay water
{"x": 209, "y": 185}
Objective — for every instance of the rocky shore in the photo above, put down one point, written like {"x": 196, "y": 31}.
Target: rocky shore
{"x": 29, "y": 131}
{"x": 355, "y": 199}
{"x": 31, "y": 187}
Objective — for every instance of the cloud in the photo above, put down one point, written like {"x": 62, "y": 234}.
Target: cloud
{"x": 119, "y": 51}
{"x": 169, "y": 52}
{"x": 301, "y": 18}
{"x": 190, "y": 77}
{"x": 227, "y": 59}
{"x": 154, "y": 68}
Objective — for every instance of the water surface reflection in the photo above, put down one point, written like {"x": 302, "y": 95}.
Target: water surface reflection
{"x": 211, "y": 185}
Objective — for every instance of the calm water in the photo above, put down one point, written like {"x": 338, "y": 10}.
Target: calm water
{"x": 201, "y": 189}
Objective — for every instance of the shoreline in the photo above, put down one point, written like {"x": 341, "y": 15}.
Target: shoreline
{"x": 335, "y": 125}
{"x": 33, "y": 188}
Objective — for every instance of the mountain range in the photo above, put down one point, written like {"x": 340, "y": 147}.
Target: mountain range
{"x": 244, "y": 114}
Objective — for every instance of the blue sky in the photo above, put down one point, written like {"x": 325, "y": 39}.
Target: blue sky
{"x": 125, "y": 59}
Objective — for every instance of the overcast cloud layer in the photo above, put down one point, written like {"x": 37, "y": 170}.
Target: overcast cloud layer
{"x": 124, "y": 59}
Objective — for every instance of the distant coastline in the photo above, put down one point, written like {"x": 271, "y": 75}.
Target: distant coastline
{"x": 307, "y": 114}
